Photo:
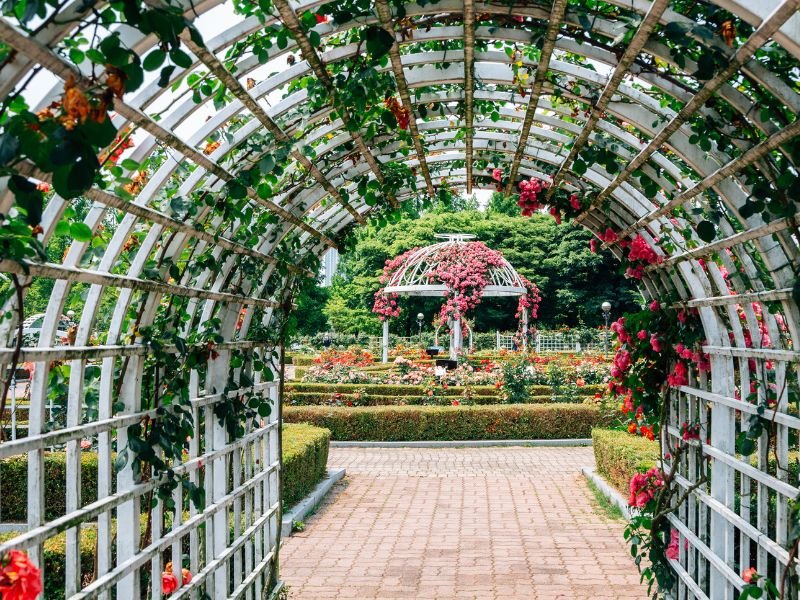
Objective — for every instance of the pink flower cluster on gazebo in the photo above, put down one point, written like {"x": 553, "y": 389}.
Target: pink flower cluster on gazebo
{"x": 465, "y": 270}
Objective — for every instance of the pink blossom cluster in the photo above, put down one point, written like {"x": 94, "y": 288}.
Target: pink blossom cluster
{"x": 690, "y": 431}
{"x": 529, "y": 195}
{"x": 640, "y": 254}
{"x": 673, "y": 548}
{"x": 529, "y": 301}
{"x": 644, "y": 487}
{"x": 385, "y": 305}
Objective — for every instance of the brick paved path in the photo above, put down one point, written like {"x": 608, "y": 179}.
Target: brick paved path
{"x": 478, "y": 523}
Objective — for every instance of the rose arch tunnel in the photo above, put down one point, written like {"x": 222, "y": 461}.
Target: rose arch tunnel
{"x": 180, "y": 167}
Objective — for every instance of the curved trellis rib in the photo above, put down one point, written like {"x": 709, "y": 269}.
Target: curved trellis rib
{"x": 750, "y": 157}
{"x": 54, "y": 271}
{"x": 63, "y": 69}
{"x": 632, "y": 50}
{"x": 237, "y": 89}
{"x": 469, "y": 85}
{"x": 291, "y": 21}
{"x": 385, "y": 16}
{"x": 553, "y": 27}
{"x": 783, "y": 12}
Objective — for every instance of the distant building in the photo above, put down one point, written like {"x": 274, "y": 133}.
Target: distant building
{"x": 329, "y": 264}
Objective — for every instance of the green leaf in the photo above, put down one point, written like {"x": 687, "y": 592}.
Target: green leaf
{"x": 388, "y": 119}
{"x": 706, "y": 231}
{"x": 80, "y": 232}
{"x": 180, "y": 58}
{"x": 28, "y": 197}
{"x": 76, "y": 55}
{"x": 379, "y": 41}
{"x": 9, "y": 147}
{"x": 166, "y": 74}
{"x": 154, "y": 60}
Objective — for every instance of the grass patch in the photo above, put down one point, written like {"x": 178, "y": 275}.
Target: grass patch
{"x": 604, "y": 506}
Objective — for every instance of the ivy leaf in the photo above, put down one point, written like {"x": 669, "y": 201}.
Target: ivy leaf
{"x": 180, "y": 58}
{"x": 389, "y": 119}
{"x": 379, "y": 41}
{"x": 706, "y": 231}
{"x": 706, "y": 66}
{"x": 9, "y": 147}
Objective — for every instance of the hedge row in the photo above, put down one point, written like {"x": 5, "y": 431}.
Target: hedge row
{"x": 620, "y": 455}
{"x": 305, "y": 453}
{"x": 305, "y": 456}
{"x": 424, "y": 423}
{"x": 315, "y": 399}
{"x": 14, "y": 475}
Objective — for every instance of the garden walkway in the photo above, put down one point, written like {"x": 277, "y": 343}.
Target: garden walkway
{"x": 483, "y": 523}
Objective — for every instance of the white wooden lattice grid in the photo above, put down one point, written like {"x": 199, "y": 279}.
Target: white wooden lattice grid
{"x": 232, "y": 558}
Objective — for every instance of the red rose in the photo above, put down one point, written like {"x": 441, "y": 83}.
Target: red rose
{"x": 750, "y": 575}
{"x": 20, "y": 579}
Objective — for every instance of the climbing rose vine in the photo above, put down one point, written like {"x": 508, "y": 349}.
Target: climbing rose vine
{"x": 464, "y": 269}
{"x": 655, "y": 350}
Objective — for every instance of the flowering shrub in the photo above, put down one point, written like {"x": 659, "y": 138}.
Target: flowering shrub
{"x": 640, "y": 255}
{"x": 654, "y": 350}
{"x": 561, "y": 202}
{"x": 20, "y": 579}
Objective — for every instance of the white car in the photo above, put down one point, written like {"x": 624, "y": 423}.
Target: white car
{"x": 32, "y": 329}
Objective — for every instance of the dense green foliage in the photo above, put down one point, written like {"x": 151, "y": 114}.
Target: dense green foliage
{"x": 305, "y": 456}
{"x": 573, "y": 280}
{"x": 426, "y": 423}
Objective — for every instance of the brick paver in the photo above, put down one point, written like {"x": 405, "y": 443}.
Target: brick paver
{"x": 462, "y": 523}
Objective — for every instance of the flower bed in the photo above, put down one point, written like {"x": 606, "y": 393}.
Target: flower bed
{"x": 458, "y": 423}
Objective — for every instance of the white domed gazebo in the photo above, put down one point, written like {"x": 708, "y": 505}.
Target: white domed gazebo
{"x": 413, "y": 278}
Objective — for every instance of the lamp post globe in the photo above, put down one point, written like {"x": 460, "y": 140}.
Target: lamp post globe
{"x": 606, "y": 306}
{"x": 420, "y": 322}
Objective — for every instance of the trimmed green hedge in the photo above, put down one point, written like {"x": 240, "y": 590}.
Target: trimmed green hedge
{"x": 620, "y": 455}
{"x": 387, "y": 390}
{"x": 305, "y": 453}
{"x": 305, "y": 456}
{"x": 14, "y": 475}
{"x": 423, "y": 423}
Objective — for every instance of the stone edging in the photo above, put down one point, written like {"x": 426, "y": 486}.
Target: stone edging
{"x": 463, "y": 444}
{"x": 299, "y": 511}
{"x": 613, "y": 495}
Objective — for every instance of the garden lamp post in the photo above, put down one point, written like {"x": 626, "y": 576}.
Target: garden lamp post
{"x": 420, "y": 322}
{"x": 606, "y": 306}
